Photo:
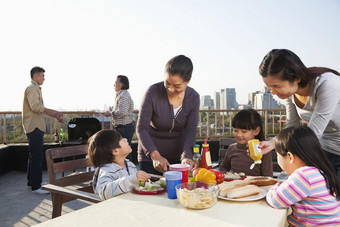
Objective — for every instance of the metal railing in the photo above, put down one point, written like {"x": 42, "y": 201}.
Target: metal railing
{"x": 213, "y": 124}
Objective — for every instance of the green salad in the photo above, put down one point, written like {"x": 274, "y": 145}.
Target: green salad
{"x": 150, "y": 186}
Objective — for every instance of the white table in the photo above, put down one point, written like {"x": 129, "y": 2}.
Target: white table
{"x": 157, "y": 210}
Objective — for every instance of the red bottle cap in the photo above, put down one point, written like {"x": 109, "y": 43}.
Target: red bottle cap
{"x": 205, "y": 144}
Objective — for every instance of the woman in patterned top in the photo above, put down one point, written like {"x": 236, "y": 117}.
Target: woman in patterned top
{"x": 122, "y": 113}
{"x": 313, "y": 188}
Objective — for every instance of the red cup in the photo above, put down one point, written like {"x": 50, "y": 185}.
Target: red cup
{"x": 184, "y": 168}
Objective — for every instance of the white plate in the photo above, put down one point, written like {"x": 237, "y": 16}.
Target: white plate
{"x": 259, "y": 196}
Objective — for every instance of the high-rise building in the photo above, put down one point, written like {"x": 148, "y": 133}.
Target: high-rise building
{"x": 265, "y": 100}
{"x": 217, "y": 101}
{"x": 206, "y": 103}
{"x": 228, "y": 99}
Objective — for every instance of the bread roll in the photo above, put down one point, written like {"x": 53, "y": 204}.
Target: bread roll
{"x": 228, "y": 186}
{"x": 262, "y": 181}
{"x": 243, "y": 192}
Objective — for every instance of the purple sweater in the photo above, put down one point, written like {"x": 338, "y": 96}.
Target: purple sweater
{"x": 158, "y": 128}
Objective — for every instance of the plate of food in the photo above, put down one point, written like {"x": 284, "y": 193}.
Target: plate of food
{"x": 259, "y": 196}
{"x": 244, "y": 194}
{"x": 230, "y": 176}
{"x": 150, "y": 187}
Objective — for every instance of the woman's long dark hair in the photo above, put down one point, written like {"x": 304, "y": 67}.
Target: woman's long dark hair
{"x": 289, "y": 67}
{"x": 248, "y": 119}
{"x": 302, "y": 142}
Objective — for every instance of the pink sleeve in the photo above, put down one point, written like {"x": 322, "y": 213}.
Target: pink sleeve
{"x": 293, "y": 190}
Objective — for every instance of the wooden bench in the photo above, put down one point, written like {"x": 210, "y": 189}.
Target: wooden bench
{"x": 68, "y": 178}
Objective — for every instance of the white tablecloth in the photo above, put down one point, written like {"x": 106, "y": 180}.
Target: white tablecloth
{"x": 157, "y": 210}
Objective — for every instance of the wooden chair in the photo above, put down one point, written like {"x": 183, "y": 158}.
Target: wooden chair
{"x": 224, "y": 144}
{"x": 76, "y": 183}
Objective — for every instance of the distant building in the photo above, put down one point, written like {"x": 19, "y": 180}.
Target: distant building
{"x": 251, "y": 98}
{"x": 217, "y": 101}
{"x": 245, "y": 106}
{"x": 228, "y": 99}
{"x": 206, "y": 103}
{"x": 265, "y": 100}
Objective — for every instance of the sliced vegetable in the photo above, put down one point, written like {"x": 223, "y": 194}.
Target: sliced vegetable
{"x": 151, "y": 186}
{"x": 219, "y": 176}
{"x": 192, "y": 179}
{"x": 206, "y": 176}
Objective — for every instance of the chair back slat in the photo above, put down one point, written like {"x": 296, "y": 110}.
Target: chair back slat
{"x": 225, "y": 142}
{"x": 63, "y": 152}
{"x": 71, "y": 165}
{"x": 74, "y": 179}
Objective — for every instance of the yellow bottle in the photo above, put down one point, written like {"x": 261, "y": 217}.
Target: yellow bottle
{"x": 255, "y": 152}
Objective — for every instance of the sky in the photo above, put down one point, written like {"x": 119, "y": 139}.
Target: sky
{"x": 84, "y": 44}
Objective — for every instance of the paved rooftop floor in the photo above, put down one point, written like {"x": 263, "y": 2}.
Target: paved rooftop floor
{"x": 20, "y": 207}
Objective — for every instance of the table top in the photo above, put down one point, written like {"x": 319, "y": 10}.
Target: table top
{"x": 157, "y": 210}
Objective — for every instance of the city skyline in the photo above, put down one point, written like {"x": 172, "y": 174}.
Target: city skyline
{"x": 262, "y": 99}
{"x": 84, "y": 44}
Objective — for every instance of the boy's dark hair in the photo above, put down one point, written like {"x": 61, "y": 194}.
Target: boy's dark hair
{"x": 248, "y": 119}
{"x": 124, "y": 81}
{"x": 302, "y": 142}
{"x": 180, "y": 65}
{"x": 101, "y": 145}
{"x": 35, "y": 70}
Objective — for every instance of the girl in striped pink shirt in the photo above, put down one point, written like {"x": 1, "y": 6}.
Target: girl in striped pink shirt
{"x": 313, "y": 188}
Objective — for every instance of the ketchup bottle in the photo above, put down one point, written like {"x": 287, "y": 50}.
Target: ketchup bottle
{"x": 255, "y": 152}
{"x": 205, "y": 156}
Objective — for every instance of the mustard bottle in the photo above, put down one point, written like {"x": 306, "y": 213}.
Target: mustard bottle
{"x": 255, "y": 152}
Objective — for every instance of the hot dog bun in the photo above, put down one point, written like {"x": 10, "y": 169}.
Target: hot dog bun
{"x": 228, "y": 186}
{"x": 261, "y": 181}
{"x": 243, "y": 192}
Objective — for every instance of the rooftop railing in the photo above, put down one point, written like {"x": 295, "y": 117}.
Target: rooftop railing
{"x": 212, "y": 125}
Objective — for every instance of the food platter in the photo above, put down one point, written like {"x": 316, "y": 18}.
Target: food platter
{"x": 149, "y": 192}
{"x": 259, "y": 196}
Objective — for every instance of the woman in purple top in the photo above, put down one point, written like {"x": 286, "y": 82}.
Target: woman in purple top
{"x": 168, "y": 118}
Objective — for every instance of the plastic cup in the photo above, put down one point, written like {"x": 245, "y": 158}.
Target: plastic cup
{"x": 184, "y": 168}
{"x": 172, "y": 178}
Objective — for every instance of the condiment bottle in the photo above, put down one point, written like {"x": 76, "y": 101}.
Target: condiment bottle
{"x": 255, "y": 152}
{"x": 56, "y": 136}
{"x": 197, "y": 156}
{"x": 205, "y": 158}
{"x": 62, "y": 135}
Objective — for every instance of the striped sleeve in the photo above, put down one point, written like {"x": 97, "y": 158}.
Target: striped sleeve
{"x": 296, "y": 188}
{"x": 122, "y": 105}
{"x": 114, "y": 181}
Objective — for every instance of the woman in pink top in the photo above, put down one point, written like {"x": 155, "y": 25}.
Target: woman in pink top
{"x": 313, "y": 188}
